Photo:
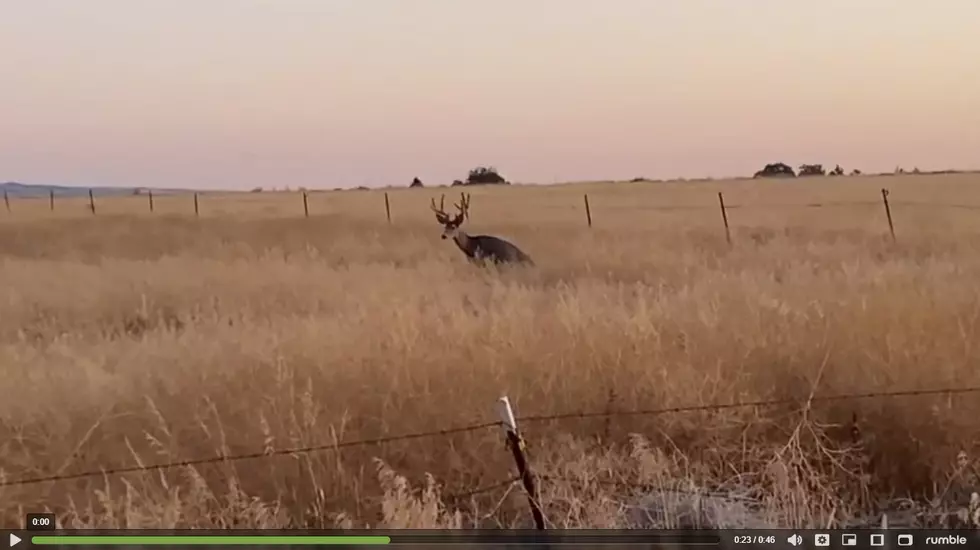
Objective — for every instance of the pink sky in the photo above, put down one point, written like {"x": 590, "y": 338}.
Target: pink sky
{"x": 337, "y": 93}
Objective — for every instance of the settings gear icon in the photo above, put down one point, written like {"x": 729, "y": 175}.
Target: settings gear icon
{"x": 821, "y": 539}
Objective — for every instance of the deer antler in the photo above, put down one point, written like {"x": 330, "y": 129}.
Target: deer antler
{"x": 441, "y": 215}
{"x": 463, "y": 206}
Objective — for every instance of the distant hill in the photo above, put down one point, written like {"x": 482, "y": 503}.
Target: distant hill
{"x": 24, "y": 190}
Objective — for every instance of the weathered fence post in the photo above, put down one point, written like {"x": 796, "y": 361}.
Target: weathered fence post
{"x": 724, "y": 217}
{"x": 518, "y": 448}
{"x": 588, "y": 211}
{"x": 151, "y": 200}
{"x": 197, "y": 208}
{"x": 888, "y": 213}
{"x": 306, "y": 205}
{"x": 387, "y": 207}
{"x": 51, "y": 199}
{"x": 91, "y": 201}
{"x": 6, "y": 200}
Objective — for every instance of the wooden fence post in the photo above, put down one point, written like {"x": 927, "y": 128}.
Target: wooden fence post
{"x": 724, "y": 217}
{"x": 518, "y": 448}
{"x": 197, "y": 209}
{"x": 888, "y": 213}
{"x": 306, "y": 205}
{"x": 387, "y": 207}
{"x": 51, "y": 199}
{"x": 91, "y": 201}
{"x": 151, "y": 200}
{"x": 588, "y": 211}
{"x": 6, "y": 200}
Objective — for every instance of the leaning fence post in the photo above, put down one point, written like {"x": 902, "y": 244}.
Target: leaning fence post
{"x": 387, "y": 207}
{"x": 306, "y": 205}
{"x": 588, "y": 211}
{"x": 91, "y": 201}
{"x": 724, "y": 217}
{"x": 518, "y": 448}
{"x": 197, "y": 209}
{"x": 888, "y": 213}
{"x": 51, "y": 199}
{"x": 151, "y": 200}
{"x": 6, "y": 200}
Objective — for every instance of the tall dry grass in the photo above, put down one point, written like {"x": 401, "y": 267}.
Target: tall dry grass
{"x": 128, "y": 338}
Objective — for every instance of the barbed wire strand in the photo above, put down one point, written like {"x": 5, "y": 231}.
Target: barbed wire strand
{"x": 827, "y": 204}
{"x": 714, "y": 207}
{"x": 818, "y": 204}
{"x": 645, "y": 487}
{"x": 476, "y": 427}
{"x": 743, "y": 404}
{"x": 255, "y": 455}
{"x": 481, "y": 490}
{"x": 45, "y": 197}
{"x": 937, "y": 204}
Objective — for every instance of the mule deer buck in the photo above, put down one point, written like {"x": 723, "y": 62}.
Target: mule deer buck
{"x": 478, "y": 248}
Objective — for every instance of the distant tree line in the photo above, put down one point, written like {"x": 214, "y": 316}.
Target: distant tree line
{"x": 481, "y": 175}
{"x": 783, "y": 170}
{"x": 488, "y": 175}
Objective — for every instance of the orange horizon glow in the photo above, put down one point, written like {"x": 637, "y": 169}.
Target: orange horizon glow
{"x": 235, "y": 94}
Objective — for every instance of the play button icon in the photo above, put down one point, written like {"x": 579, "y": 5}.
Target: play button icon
{"x": 14, "y": 539}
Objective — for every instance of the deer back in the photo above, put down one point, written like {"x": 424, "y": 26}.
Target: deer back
{"x": 496, "y": 249}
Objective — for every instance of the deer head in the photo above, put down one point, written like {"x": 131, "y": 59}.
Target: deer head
{"x": 451, "y": 223}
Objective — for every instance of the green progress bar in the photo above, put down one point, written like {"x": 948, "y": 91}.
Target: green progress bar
{"x": 204, "y": 540}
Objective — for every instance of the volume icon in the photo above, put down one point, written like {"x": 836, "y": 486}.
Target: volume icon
{"x": 795, "y": 539}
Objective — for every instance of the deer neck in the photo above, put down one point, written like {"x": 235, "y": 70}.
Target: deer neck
{"x": 462, "y": 240}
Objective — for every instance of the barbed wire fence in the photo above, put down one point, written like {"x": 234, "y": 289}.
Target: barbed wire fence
{"x": 194, "y": 200}
{"x": 515, "y": 441}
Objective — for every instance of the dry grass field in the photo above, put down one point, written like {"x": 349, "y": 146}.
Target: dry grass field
{"x": 129, "y": 338}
